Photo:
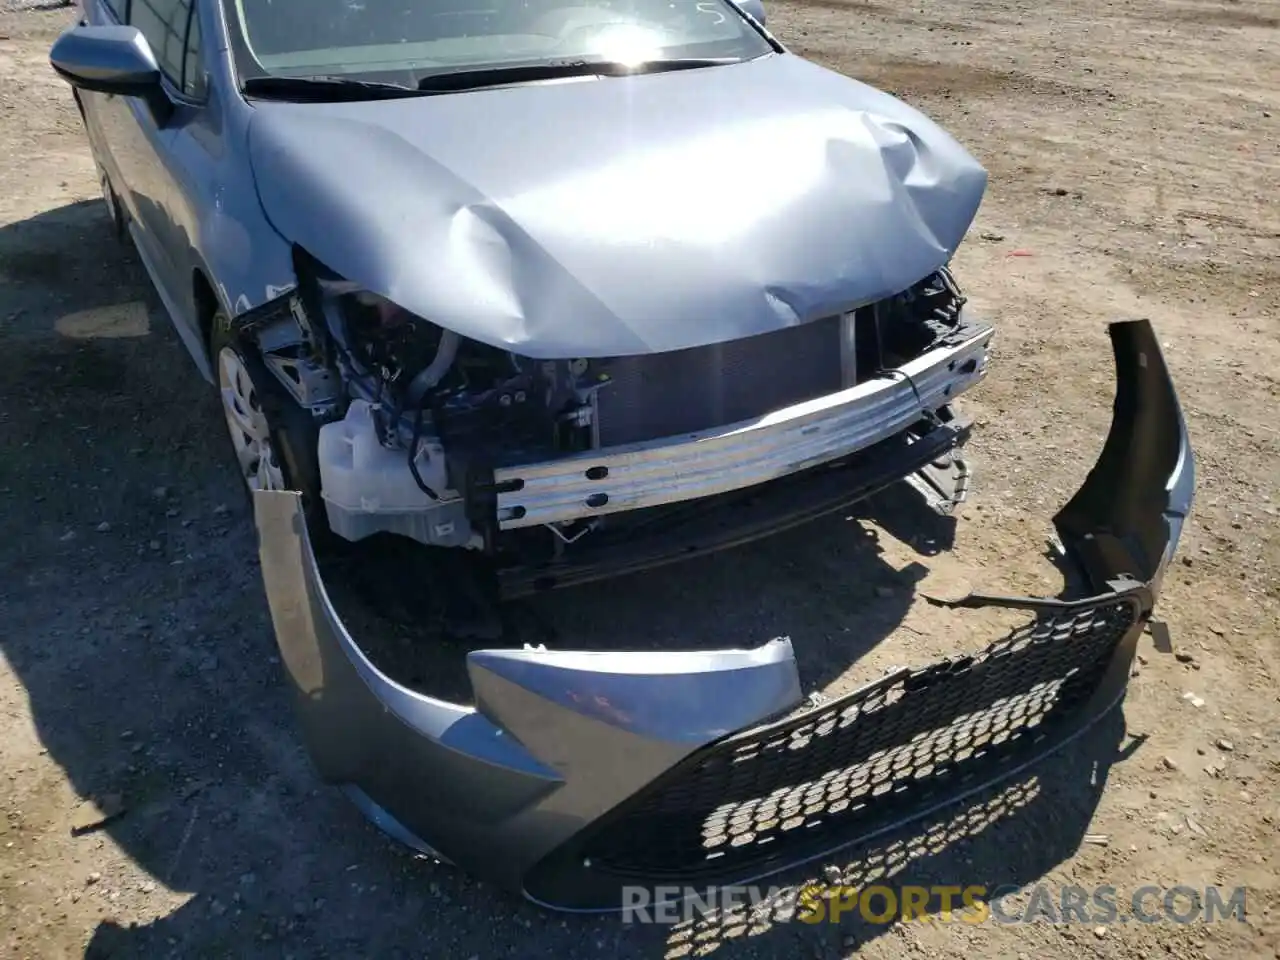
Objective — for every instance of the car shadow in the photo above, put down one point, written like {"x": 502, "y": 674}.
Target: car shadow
{"x": 136, "y": 623}
{"x": 825, "y": 585}
{"x": 995, "y": 844}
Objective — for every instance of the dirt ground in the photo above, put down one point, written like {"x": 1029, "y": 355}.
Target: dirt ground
{"x": 1134, "y": 151}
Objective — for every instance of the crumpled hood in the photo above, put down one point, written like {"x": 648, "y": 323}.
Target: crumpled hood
{"x": 618, "y": 216}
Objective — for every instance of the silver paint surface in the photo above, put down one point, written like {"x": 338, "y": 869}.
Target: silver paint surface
{"x": 115, "y": 54}
{"x": 602, "y": 216}
{"x": 555, "y": 740}
{"x": 186, "y": 185}
{"x": 622, "y": 215}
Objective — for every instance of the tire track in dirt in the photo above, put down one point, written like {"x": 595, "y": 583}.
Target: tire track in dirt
{"x": 1220, "y": 17}
{"x": 914, "y": 80}
{"x": 889, "y": 14}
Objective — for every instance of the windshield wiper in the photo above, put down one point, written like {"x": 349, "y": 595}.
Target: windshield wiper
{"x": 329, "y": 89}
{"x": 324, "y": 89}
{"x": 557, "y": 70}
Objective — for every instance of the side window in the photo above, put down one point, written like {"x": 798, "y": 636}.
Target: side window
{"x": 193, "y": 75}
{"x": 118, "y": 8}
{"x": 164, "y": 24}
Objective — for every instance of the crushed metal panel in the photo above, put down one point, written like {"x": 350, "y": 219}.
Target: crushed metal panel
{"x": 751, "y": 197}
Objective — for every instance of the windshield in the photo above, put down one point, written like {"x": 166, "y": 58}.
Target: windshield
{"x": 405, "y": 41}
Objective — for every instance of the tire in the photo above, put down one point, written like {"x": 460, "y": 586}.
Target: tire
{"x": 292, "y": 431}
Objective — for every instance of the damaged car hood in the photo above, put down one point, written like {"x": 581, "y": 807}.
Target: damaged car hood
{"x": 622, "y": 215}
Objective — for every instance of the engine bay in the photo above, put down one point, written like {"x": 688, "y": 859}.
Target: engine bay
{"x": 422, "y": 432}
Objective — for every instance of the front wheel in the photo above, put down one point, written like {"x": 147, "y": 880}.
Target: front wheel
{"x": 273, "y": 438}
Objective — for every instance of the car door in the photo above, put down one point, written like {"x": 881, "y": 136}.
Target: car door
{"x": 176, "y": 165}
{"x": 172, "y": 157}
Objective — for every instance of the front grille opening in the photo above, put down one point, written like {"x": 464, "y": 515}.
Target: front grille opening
{"x": 667, "y": 394}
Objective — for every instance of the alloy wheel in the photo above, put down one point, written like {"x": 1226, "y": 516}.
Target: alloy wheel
{"x": 247, "y": 423}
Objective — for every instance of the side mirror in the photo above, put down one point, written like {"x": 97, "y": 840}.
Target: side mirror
{"x": 753, "y": 7}
{"x": 113, "y": 60}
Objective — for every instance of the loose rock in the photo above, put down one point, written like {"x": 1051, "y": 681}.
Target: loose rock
{"x": 96, "y": 812}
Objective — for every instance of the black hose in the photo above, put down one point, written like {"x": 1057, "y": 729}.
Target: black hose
{"x": 413, "y": 455}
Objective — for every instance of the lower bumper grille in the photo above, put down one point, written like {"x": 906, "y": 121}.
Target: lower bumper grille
{"x": 767, "y": 798}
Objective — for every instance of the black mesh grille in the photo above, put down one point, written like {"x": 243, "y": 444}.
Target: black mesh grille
{"x": 908, "y": 741}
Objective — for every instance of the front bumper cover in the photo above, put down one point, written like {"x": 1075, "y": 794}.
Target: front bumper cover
{"x": 577, "y": 773}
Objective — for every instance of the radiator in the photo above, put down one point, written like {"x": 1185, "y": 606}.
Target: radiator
{"x": 663, "y": 394}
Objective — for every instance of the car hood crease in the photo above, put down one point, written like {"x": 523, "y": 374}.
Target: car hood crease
{"x": 622, "y": 216}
